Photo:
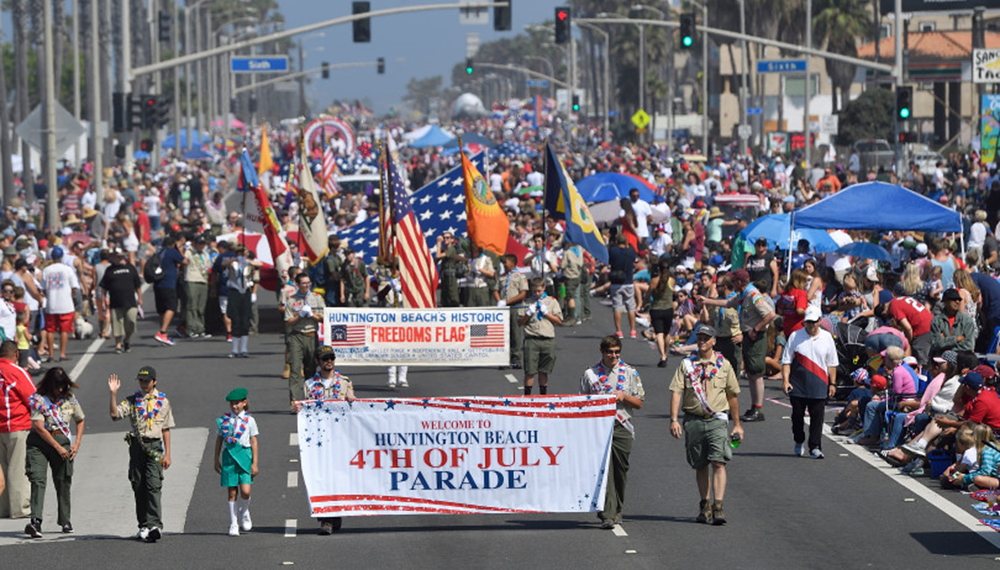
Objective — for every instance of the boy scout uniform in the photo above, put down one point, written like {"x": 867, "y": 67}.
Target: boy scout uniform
{"x": 511, "y": 285}
{"x": 479, "y": 291}
{"x": 540, "y": 338}
{"x": 145, "y": 449}
{"x": 355, "y": 278}
{"x": 40, "y": 454}
{"x": 301, "y": 340}
{"x": 572, "y": 269}
{"x": 705, "y": 431}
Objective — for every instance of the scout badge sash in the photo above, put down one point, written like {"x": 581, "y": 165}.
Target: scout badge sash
{"x": 51, "y": 409}
{"x": 696, "y": 373}
{"x": 603, "y": 387}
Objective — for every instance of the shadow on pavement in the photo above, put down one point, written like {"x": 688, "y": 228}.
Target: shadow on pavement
{"x": 955, "y": 543}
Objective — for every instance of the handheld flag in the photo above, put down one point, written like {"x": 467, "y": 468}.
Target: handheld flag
{"x": 564, "y": 203}
{"x": 488, "y": 227}
{"x": 259, "y": 215}
{"x": 266, "y": 162}
{"x": 329, "y": 169}
{"x": 386, "y": 225}
{"x": 312, "y": 223}
{"x": 417, "y": 273}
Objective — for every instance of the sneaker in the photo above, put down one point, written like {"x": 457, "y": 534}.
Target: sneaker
{"x": 153, "y": 535}
{"x": 704, "y": 512}
{"x": 118, "y": 350}
{"x": 619, "y": 334}
{"x": 515, "y": 366}
{"x": 718, "y": 514}
{"x": 661, "y": 364}
{"x": 403, "y": 384}
{"x": 918, "y": 472}
{"x": 816, "y": 453}
{"x": 867, "y": 440}
{"x": 127, "y": 347}
{"x": 246, "y": 525}
{"x": 34, "y": 528}
{"x": 911, "y": 466}
{"x": 164, "y": 339}
{"x": 229, "y": 337}
{"x": 234, "y": 529}
{"x": 799, "y": 450}
{"x": 67, "y": 528}
{"x": 205, "y": 335}
{"x": 244, "y": 355}
{"x": 607, "y": 524}
{"x": 633, "y": 335}
{"x": 181, "y": 332}
{"x": 142, "y": 534}
{"x": 392, "y": 383}
{"x": 916, "y": 448}
{"x": 232, "y": 355}
{"x": 753, "y": 415}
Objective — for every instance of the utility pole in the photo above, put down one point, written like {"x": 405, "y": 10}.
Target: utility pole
{"x": 302, "y": 81}
{"x": 49, "y": 125}
{"x": 898, "y": 55}
{"x": 745, "y": 62}
{"x": 806, "y": 129}
{"x": 704, "y": 81}
{"x": 97, "y": 141}
{"x": 175, "y": 36}
{"x": 188, "y": 117}
{"x": 76, "y": 75}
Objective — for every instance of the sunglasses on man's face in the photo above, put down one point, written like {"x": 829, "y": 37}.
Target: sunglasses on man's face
{"x": 328, "y": 358}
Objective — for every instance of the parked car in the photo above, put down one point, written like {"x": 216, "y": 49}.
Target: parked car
{"x": 875, "y": 153}
{"x": 927, "y": 162}
{"x": 359, "y": 183}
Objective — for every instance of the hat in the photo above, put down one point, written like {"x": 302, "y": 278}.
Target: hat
{"x": 813, "y": 314}
{"x": 951, "y": 295}
{"x": 911, "y": 360}
{"x": 57, "y": 253}
{"x": 10, "y": 250}
{"x": 236, "y": 395}
{"x": 973, "y": 380}
{"x": 789, "y": 199}
{"x": 706, "y": 330}
{"x": 947, "y": 356}
{"x": 872, "y": 273}
{"x": 741, "y": 275}
{"x": 30, "y": 227}
{"x": 878, "y": 382}
{"x": 921, "y": 249}
{"x": 89, "y": 212}
{"x": 325, "y": 350}
{"x": 71, "y": 219}
{"x": 860, "y": 376}
{"x": 9, "y": 232}
{"x": 986, "y": 371}
{"x": 715, "y": 212}
{"x": 146, "y": 373}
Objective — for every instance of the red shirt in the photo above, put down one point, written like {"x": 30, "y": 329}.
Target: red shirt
{"x": 984, "y": 408}
{"x": 791, "y": 300}
{"x": 914, "y": 312}
{"x": 16, "y": 388}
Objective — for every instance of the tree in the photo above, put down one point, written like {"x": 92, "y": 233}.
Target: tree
{"x": 838, "y": 24}
{"x": 869, "y": 116}
{"x": 419, "y": 93}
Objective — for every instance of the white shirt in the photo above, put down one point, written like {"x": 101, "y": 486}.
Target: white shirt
{"x": 251, "y": 430}
{"x": 496, "y": 182}
{"x": 152, "y": 204}
{"x": 642, "y": 212}
{"x": 535, "y": 178}
{"x": 8, "y": 319}
{"x": 112, "y": 207}
{"x": 58, "y": 282}
{"x": 977, "y": 235}
{"x": 89, "y": 199}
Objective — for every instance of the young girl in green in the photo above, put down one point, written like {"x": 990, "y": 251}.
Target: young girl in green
{"x": 236, "y": 458}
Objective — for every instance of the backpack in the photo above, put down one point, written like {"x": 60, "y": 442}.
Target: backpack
{"x": 152, "y": 272}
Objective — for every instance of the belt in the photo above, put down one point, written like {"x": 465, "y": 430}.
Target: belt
{"x": 539, "y": 337}
{"x": 700, "y": 416}
{"x": 306, "y": 333}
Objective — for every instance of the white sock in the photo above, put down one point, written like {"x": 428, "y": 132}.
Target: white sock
{"x": 402, "y": 373}
{"x": 232, "y": 512}
{"x": 921, "y": 442}
{"x": 244, "y": 505}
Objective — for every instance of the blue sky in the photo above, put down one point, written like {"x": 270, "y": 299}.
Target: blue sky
{"x": 428, "y": 44}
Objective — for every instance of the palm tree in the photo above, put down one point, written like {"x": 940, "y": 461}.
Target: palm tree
{"x": 838, "y": 23}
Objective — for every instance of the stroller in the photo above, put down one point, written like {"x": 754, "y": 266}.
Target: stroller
{"x": 850, "y": 342}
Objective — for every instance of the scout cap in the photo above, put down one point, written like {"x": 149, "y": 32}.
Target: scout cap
{"x": 236, "y": 395}
{"x": 706, "y": 330}
{"x": 146, "y": 373}
{"x": 324, "y": 350}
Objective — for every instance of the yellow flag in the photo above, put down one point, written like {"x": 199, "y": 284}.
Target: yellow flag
{"x": 487, "y": 225}
{"x": 266, "y": 163}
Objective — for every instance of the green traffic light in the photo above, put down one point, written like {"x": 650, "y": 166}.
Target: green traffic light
{"x": 904, "y": 113}
{"x": 468, "y": 70}
{"x": 687, "y": 41}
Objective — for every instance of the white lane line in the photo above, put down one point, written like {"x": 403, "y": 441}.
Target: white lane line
{"x": 293, "y": 478}
{"x": 293, "y": 439}
{"x": 947, "y": 507}
{"x": 86, "y": 358}
{"x": 619, "y": 531}
{"x": 290, "y": 525}
{"x": 511, "y": 378}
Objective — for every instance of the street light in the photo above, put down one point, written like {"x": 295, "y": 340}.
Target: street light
{"x": 607, "y": 72}
{"x": 549, "y": 65}
{"x": 704, "y": 77}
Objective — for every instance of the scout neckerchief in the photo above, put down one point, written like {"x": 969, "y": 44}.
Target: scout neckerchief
{"x": 538, "y": 306}
{"x": 148, "y": 410}
{"x": 699, "y": 375}
{"x": 721, "y": 315}
{"x": 317, "y": 390}
{"x": 51, "y": 409}
{"x": 602, "y": 386}
{"x": 233, "y": 427}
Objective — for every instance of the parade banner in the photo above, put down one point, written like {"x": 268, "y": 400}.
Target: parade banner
{"x": 418, "y": 337}
{"x": 989, "y": 128}
{"x": 517, "y": 454}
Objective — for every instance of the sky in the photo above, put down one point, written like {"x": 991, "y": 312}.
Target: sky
{"x": 421, "y": 44}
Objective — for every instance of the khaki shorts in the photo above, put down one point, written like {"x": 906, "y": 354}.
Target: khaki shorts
{"x": 123, "y": 320}
{"x": 623, "y": 298}
{"x": 539, "y": 355}
{"x": 755, "y": 355}
{"x": 706, "y": 441}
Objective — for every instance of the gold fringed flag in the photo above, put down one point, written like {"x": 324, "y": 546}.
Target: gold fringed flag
{"x": 266, "y": 162}
{"x": 488, "y": 227}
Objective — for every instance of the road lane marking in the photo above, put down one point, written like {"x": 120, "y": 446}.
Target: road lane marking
{"x": 293, "y": 439}
{"x": 511, "y": 378}
{"x": 293, "y": 478}
{"x": 619, "y": 531}
{"x": 94, "y": 347}
{"x": 290, "y": 525}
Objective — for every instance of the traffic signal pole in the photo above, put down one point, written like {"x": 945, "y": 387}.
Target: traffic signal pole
{"x": 49, "y": 124}
{"x": 96, "y": 141}
{"x": 300, "y": 74}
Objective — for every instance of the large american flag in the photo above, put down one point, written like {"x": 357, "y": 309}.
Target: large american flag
{"x": 439, "y": 206}
{"x": 487, "y": 336}
{"x": 417, "y": 272}
{"x": 328, "y": 169}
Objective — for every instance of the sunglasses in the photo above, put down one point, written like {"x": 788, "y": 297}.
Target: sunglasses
{"x": 613, "y": 351}
{"x": 328, "y": 358}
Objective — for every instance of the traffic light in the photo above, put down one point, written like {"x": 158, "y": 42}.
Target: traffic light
{"x": 164, "y": 103}
{"x": 469, "y": 68}
{"x": 146, "y": 145}
{"x": 148, "y": 112}
{"x": 905, "y": 137}
{"x": 119, "y": 113}
{"x": 381, "y": 66}
{"x": 563, "y": 32}
{"x": 326, "y": 70}
{"x": 904, "y": 102}
{"x": 362, "y": 27}
{"x": 134, "y": 112}
{"x": 120, "y": 151}
{"x": 164, "y": 27}
{"x": 253, "y": 104}
{"x": 576, "y": 103}
{"x": 501, "y": 17}
{"x": 687, "y": 31}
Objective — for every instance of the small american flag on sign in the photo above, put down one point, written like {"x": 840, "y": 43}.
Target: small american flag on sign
{"x": 347, "y": 335}
{"x": 486, "y": 336}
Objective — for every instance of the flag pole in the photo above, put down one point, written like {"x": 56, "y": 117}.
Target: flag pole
{"x": 243, "y": 206}
{"x": 298, "y": 195}
{"x": 545, "y": 227}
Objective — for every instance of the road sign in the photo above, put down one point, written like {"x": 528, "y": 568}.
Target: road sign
{"x": 473, "y": 16}
{"x": 745, "y": 131}
{"x": 830, "y": 124}
{"x": 612, "y": 112}
{"x": 68, "y": 129}
{"x": 640, "y": 119}
{"x": 536, "y": 82}
{"x": 781, "y": 66}
{"x": 471, "y": 44}
{"x": 755, "y": 111}
{"x": 641, "y": 130}
{"x": 258, "y": 64}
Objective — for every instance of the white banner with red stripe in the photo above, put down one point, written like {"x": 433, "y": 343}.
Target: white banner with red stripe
{"x": 516, "y": 454}
{"x": 419, "y": 337}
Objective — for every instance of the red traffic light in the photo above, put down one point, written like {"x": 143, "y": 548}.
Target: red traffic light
{"x": 150, "y": 102}
{"x": 562, "y": 14}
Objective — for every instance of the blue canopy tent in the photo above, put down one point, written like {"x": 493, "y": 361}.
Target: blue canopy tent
{"x": 605, "y": 186}
{"x": 470, "y": 138}
{"x": 195, "y": 136}
{"x": 434, "y": 137}
{"x": 776, "y": 229}
{"x": 197, "y": 154}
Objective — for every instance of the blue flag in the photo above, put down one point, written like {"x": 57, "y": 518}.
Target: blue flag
{"x": 561, "y": 197}
{"x": 248, "y": 173}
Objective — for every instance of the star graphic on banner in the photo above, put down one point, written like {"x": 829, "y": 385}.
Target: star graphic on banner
{"x": 442, "y": 198}
{"x": 426, "y": 215}
{"x": 445, "y": 181}
{"x": 457, "y": 182}
{"x": 373, "y": 243}
{"x": 426, "y": 401}
{"x": 552, "y": 406}
{"x": 390, "y": 405}
{"x": 506, "y": 402}
{"x": 463, "y": 216}
{"x": 425, "y": 199}
{"x": 453, "y": 230}
{"x": 445, "y": 215}
{"x": 468, "y": 405}
{"x": 430, "y": 232}
{"x": 459, "y": 198}
{"x": 359, "y": 240}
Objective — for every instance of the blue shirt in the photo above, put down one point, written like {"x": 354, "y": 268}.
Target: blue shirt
{"x": 219, "y": 268}
{"x": 170, "y": 261}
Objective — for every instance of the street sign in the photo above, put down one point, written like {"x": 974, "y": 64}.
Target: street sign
{"x": 641, "y": 130}
{"x": 68, "y": 129}
{"x": 745, "y": 131}
{"x": 755, "y": 111}
{"x": 258, "y": 64}
{"x": 640, "y": 119}
{"x": 536, "y": 82}
{"x": 612, "y": 112}
{"x": 781, "y": 66}
{"x": 830, "y": 124}
{"x": 471, "y": 44}
{"x": 473, "y": 16}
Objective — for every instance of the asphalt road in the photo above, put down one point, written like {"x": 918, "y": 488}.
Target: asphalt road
{"x": 846, "y": 511}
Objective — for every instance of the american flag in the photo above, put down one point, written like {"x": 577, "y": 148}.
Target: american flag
{"x": 329, "y": 169}
{"x": 417, "y": 272}
{"x": 439, "y": 206}
{"x": 347, "y": 335}
{"x": 486, "y": 336}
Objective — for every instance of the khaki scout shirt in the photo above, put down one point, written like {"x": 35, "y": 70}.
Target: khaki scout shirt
{"x": 328, "y": 392}
{"x": 197, "y": 266}
{"x": 513, "y": 284}
{"x": 542, "y": 327}
{"x": 717, "y": 390}
{"x": 146, "y": 427}
{"x": 68, "y": 411}
{"x": 295, "y": 304}
{"x": 590, "y": 383}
